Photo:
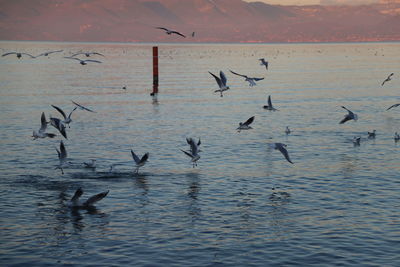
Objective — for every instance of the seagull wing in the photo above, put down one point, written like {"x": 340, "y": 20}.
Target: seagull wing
{"x": 135, "y": 157}
{"x": 43, "y": 123}
{"x": 69, "y": 116}
{"x": 77, "y": 195}
{"x": 9, "y": 53}
{"x": 60, "y": 110}
{"x": 95, "y": 198}
{"x": 393, "y": 106}
{"x": 346, "y": 118}
{"x": 73, "y": 58}
{"x": 27, "y": 55}
{"x": 63, "y": 151}
{"x": 269, "y": 101}
{"x": 178, "y": 33}
{"x": 244, "y": 76}
{"x": 284, "y": 152}
{"x": 91, "y": 60}
{"x": 97, "y": 53}
{"x": 80, "y": 53}
{"x": 187, "y": 153}
{"x": 249, "y": 121}
{"x": 258, "y": 79}
{"x": 162, "y": 28}
{"x": 219, "y": 82}
{"x": 144, "y": 158}
{"x": 223, "y": 77}
{"x": 82, "y": 107}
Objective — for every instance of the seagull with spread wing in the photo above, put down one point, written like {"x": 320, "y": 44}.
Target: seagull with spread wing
{"x": 221, "y": 81}
{"x": 194, "y": 151}
{"x": 169, "y": 32}
{"x": 84, "y": 62}
{"x": 389, "y": 78}
{"x": 269, "y": 106}
{"x": 77, "y": 204}
{"x": 251, "y": 80}
{"x": 42, "y": 131}
{"x": 67, "y": 120}
{"x": 139, "y": 162}
{"x": 264, "y": 63}
{"x": 82, "y": 107}
{"x": 18, "y": 54}
{"x": 62, "y": 156}
{"x": 245, "y": 125}
{"x": 282, "y": 148}
{"x": 350, "y": 116}
{"x": 45, "y": 54}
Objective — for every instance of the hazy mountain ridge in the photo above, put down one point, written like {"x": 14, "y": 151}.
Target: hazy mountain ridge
{"x": 212, "y": 20}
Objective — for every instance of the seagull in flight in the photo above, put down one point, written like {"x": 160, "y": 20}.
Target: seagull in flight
{"x": 82, "y": 107}
{"x": 264, "y": 63}
{"x": 139, "y": 162}
{"x": 42, "y": 131}
{"x": 87, "y": 54}
{"x": 393, "y": 106}
{"x": 169, "y": 32}
{"x": 45, "y": 54}
{"x": 84, "y": 62}
{"x": 251, "y": 80}
{"x": 389, "y": 78}
{"x": 349, "y": 116}
{"x": 62, "y": 156}
{"x": 245, "y": 125}
{"x": 19, "y": 55}
{"x": 59, "y": 125}
{"x": 194, "y": 151}
{"x": 269, "y": 106}
{"x": 67, "y": 120}
{"x": 221, "y": 81}
{"x": 77, "y": 204}
{"x": 282, "y": 148}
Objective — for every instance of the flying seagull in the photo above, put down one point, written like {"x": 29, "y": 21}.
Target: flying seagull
{"x": 75, "y": 203}
{"x": 251, "y": 80}
{"x": 42, "y": 131}
{"x": 84, "y": 62}
{"x": 82, "y": 107}
{"x": 87, "y": 54}
{"x": 389, "y": 78}
{"x": 194, "y": 151}
{"x": 269, "y": 106}
{"x": 264, "y": 63}
{"x": 62, "y": 156}
{"x": 221, "y": 81}
{"x": 67, "y": 120}
{"x": 139, "y": 162}
{"x": 349, "y": 116}
{"x": 169, "y": 32}
{"x": 59, "y": 125}
{"x": 45, "y": 54}
{"x": 282, "y": 148}
{"x": 245, "y": 125}
{"x": 19, "y": 55}
{"x": 393, "y": 106}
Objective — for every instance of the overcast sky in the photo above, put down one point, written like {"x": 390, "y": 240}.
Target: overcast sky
{"x": 313, "y": 2}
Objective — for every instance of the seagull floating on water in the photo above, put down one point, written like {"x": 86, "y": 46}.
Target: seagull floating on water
{"x": 282, "y": 148}
{"x": 139, "y": 162}
{"x": 59, "y": 125}
{"x": 349, "y": 116}
{"x": 287, "y": 131}
{"x": 42, "y": 131}
{"x": 389, "y": 78}
{"x": 91, "y": 164}
{"x": 245, "y": 125}
{"x": 393, "y": 106}
{"x": 396, "y": 137}
{"x": 75, "y": 203}
{"x": 67, "y": 120}
{"x": 194, "y": 151}
{"x": 45, "y": 54}
{"x": 19, "y": 55}
{"x": 84, "y": 62}
{"x": 221, "y": 81}
{"x": 264, "y": 63}
{"x": 251, "y": 80}
{"x": 169, "y": 32}
{"x": 62, "y": 156}
{"x": 82, "y": 107}
{"x": 269, "y": 106}
{"x": 356, "y": 140}
{"x": 372, "y": 135}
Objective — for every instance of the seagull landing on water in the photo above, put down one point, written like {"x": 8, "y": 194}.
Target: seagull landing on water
{"x": 82, "y": 107}
{"x": 356, "y": 140}
{"x": 84, "y": 62}
{"x": 251, "y": 80}
{"x": 194, "y": 151}
{"x": 221, "y": 81}
{"x": 59, "y": 125}
{"x": 282, "y": 148}
{"x": 264, "y": 63}
{"x": 245, "y": 125}
{"x": 77, "y": 204}
{"x": 169, "y": 32}
{"x": 139, "y": 162}
{"x": 45, "y": 54}
{"x": 42, "y": 131}
{"x": 372, "y": 135}
{"x": 393, "y": 106}
{"x": 67, "y": 120}
{"x": 349, "y": 116}
{"x": 269, "y": 106}
{"x": 19, "y": 55}
{"x": 91, "y": 164}
{"x": 389, "y": 78}
{"x": 62, "y": 156}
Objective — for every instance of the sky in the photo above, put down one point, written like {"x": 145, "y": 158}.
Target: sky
{"x": 314, "y": 2}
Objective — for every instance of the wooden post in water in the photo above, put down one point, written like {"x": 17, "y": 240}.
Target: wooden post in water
{"x": 155, "y": 71}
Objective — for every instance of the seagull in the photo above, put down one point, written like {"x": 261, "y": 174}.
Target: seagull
{"x": 59, "y": 125}
{"x": 396, "y": 137}
{"x": 62, "y": 156}
{"x": 194, "y": 151}
{"x": 245, "y": 125}
{"x": 75, "y": 203}
{"x": 169, "y": 32}
{"x": 45, "y": 54}
{"x": 252, "y": 81}
{"x": 264, "y": 63}
{"x": 393, "y": 106}
{"x": 19, "y": 55}
{"x": 221, "y": 81}
{"x": 139, "y": 162}
{"x": 42, "y": 131}
{"x": 356, "y": 140}
{"x": 269, "y": 106}
{"x": 84, "y": 62}
{"x": 87, "y": 54}
{"x": 349, "y": 116}
{"x": 282, "y": 148}
{"x": 91, "y": 164}
{"x": 287, "y": 131}
{"x": 67, "y": 120}
{"x": 389, "y": 78}
{"x": 82, "y": 107}
{"x": 372, "y": 135}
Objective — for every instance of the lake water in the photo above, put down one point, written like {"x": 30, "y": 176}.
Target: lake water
{"x": 244, "y": 204}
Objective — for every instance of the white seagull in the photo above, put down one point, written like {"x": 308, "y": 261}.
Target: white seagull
{"x": 62, "y": 156}
{"x": 59, "y": 125}
{"x": 221, "y": 81}
{"x": 82, "y": 107}
{"x": 269, "y": 106}
{"x": 75, "y": 203}
{"x": 84, "y": 62}
{"x": 194, "y": 151}
{"x": 169, "y": 32}
{"x": 251, "y": 80}
{"x": 139, "y": 162}
{"x": 389, "y": 78}
{"x": 67, "y": 120}
{"x": 282, "y": 148}
{"x": 42, "y": 131}
{"x": 349, "y": 116}
{"x": 264, "y": 63}
{"x": 245, "y": 125}
{"x": 19, "y": 55}
{"x": 45, "y": 54}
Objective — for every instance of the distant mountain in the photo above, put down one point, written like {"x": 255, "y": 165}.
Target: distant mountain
{"x": 212, "y": 20}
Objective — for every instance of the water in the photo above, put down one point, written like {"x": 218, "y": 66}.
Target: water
{"x": 337, "y": 205}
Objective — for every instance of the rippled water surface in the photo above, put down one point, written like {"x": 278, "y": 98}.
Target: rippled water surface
{"x": 244, "y": 204}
